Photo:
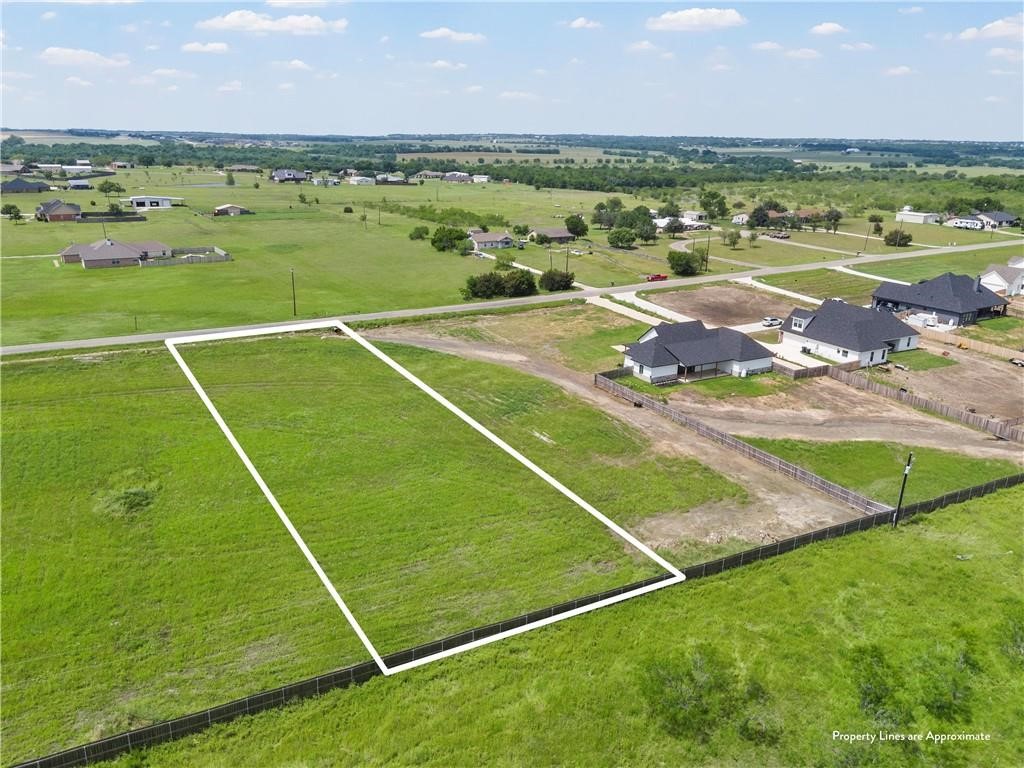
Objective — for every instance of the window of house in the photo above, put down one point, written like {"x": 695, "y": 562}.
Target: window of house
{"x": 844, "y": 352}
{"x": 640, "y": 369}
{"x": 798, "y": 324}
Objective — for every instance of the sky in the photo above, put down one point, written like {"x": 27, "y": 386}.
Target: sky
{"x": 845, "y": 70}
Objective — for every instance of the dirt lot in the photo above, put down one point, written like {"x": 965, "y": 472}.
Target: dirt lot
{"x": 989, "y": 385}
{"x": 725, "y": 304}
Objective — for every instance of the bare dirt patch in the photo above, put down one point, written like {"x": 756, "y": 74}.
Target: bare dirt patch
{"x": 725, "y": 304}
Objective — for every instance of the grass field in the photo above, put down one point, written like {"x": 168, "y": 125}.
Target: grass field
{"x": 145, "y": 576}
{"x": 925, "y": 267}
{"x": 921, "y": 360}
{"x": 1005, "y": 331}
{"x": 767, "y": 252}
{"x": 824, "y": 284}
{"x": 876, "y": 469}
{"x": 910, "y": 630}
{"x": 922, "y": 234}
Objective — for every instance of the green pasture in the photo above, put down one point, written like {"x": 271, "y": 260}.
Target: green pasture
{"x": 927, "y": 267}
{"x": 824, "y": 284}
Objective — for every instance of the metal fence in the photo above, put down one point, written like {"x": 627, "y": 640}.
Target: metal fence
{"x": 818, "y": 483}
{"x": 168, "y": 730}
{"x": 994, "y": 426}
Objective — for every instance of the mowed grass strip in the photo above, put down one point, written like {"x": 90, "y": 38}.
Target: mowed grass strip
{"x": 144, "y": 574}
{"x": 926, "y": 267}
{"x": 424, "y": 526}
{"x": 824, "y": 284}
{"x": 907, "y": 631}
{"x": 1005, "y": 331}
{"x": 876, "y": 469}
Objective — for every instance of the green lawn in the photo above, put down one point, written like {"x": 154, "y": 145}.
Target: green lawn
{"x": 1005, "y": 331}
{"x": 145, "y": 576}
{"x": 876, "y": 469}
{"x": 921, "y": 360}
{"x": 922, "y": 234}
{"x": 767, "y": 252}
{"x": 824, "y": 284}
{"x": 926, "y": 267}
{"x": 751, "y": 386}
{"x": 907, "y": 631}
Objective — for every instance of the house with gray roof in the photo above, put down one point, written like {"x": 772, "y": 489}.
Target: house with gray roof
{"x": 58, "y": 210}
{"x": 483, "y": 240}
{"x": 18, "y": 185}
{"x": 950, "y": 300}
{"x": 1003, "y": 279}
{"x": 287, "y": 174}
{"x": 845, "y": 333}
{"x": 998, "y": 219}
{"x": 556, "y": 234}
{"x": 114, "y": 253}
{"x": 690, "y": 351}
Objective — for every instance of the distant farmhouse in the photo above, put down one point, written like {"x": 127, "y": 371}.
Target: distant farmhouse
{"x": 998, "y": 219}
{"x": 741, "y": 218}
{"x": 326, "y": 181}
{"x": 458, "y": 177}
{"x": 556, "y": 234}
{"x": 428, "y": 175}
{"x": 690, "y": 351}
{"x": 151, "y": 201}
{"x": 362, "y": 181}
{"x": 965, "y": 222}
{"x": 18, "y": 185}
{"x": 282, "y": 175}
{"x": 845, "y": 333}
{"x": 58, "y": 210}
{"x": 230, "y": 209}
{"x": 79, "y": 184}
{"x": 950, "y": 300}
{"x": 483, "y": 240}
{"x": 910, "y": 216}
{"x": 118, "y": 165}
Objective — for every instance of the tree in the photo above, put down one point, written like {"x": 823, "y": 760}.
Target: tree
{"x": 576, "y": 225}
{"x": 115, "y": 209}
{"x": 759, "y": 217}
{"x": 832, "y": 218}
{"x": 302, "y": 199}
{"x": 255, "y": 185}
{"x": 230, "y": 179}
{"x": 731, "y": 237}
{"x": 752, "y": 237}
{"x": 898, "y": 238}
{"x": 621, "y": 237}
{"x": 877, "y": 228}
{"x": 447, "y": 238}
{"x": 674, "y": 227}
{"x": 522, "y": 230}
{"x": 614, "y": 204}
{"x": 485, "y": 286}
{"x": 682, "y": 263}
{"x": 876, "y": 218}
{"x": 108, "y": 188}
{"x": 646, "y": 230}
{"x": 669, "y": 209}
{"x": 713, "y": 203}
{"x": 541, "y": 239}
{"x": 557, "y": 280}
{"x": 362, "y": 217}
{"x": 519, "y": 282}
{"x": 419, "y": 233}
{"x": 11, "y": 211}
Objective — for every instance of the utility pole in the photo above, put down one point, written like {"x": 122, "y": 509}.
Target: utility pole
{"x": 903, "y": 487}
{"x": 294, "y": 307}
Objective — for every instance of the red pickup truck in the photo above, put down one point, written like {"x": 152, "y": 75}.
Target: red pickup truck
{"x": 655, "y": 278}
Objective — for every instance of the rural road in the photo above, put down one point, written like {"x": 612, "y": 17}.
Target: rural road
{"x": 113, "y": 341}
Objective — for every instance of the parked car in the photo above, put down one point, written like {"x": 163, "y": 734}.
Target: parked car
{"x": 655, "y": 278}
{"x": 837, "y": 298}
{"x": 771, "y": 322}
{"x": 1017, "y": 361}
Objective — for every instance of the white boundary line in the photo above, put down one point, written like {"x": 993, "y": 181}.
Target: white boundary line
{"x": 677, "y": 575}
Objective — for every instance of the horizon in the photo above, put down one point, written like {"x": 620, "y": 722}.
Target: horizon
{"x": 871, "y": 71}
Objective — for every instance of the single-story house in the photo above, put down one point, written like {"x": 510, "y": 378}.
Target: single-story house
{"x": 483, "y": 240}
{"x": 662, "y": 222}
{"x": 117, "y": 165}
{"x": 997, "y": 219}
{"x": 1003, "y": 280}
{"x": 280, "y": 175}
{"x": 361, "y": 181}
{"x": 806, "y": 214}
{"x": 695, "y": 215}
{"x": 458, "y": 177}
{"x": 391, "y": 178}
{"x": 21, "y": 185}
{"x": 428, "y": 175}
{"x": 910, "y": 216}
{"x": 76, "y": 169}
{"x": 965, "y": 222}
{"x": 949, "y": 299}
{"x": 328, "y": 181}
{"x": 230, "y": 209}
{"x": 150, "y": 201}
{"x": 58, "y": 210}
{"x": 481, "y": 178}
{"x": 741, "y": 218}
{"x": 51, "y": 167}
{"x": 113, "y": 253}
{"x": 845, "y": 332}
{"x": 15, "y": 167}
{"x": 79, "y": 184}
{"x": 690, "y": 351}
{"x": 557, "y": 234}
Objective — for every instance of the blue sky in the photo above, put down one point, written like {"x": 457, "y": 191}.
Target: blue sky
{"x": 857, "y": 70}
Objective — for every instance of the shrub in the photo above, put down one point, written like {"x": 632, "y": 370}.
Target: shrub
{"x": 517, "y": 282}
{"x": 347, "y": 209}
{"x": 419, "y": 233}
{"x": 557, "y": 280}
{"x": 447, "y": 238}
{"x": 684, "y": 263}
{"x": 897, "y": 238}
{"x": 520, "y": 282}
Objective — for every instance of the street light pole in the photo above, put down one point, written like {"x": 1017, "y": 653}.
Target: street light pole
{"x": 294, "y": 307}
{"x": 903, "y": 487}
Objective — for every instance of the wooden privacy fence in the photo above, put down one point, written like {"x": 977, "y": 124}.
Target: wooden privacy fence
{"x": 818, "y": 483}
{"x": 962, "y": 341}
{"x": 993, "y": 426}
{"x": 794, "y": 371}
{"x": 169, "y": 730}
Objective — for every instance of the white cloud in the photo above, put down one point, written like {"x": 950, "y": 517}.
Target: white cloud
{"x": 205, "y": 47}
{"x": 293, "y": 64}
{"x": 1010, "y": 26}
{"x": 911, "y": 10}
{"x": 79, "y": 57}
{"x": 994, "y": 99}
{"x": 722, "y": 67}
{"x": 173, "y": 73}
{"x": 642, "y": 46}
{"x": 540, "y": 72}
{"x": 443, "y": 64}
{"x": 696, "y": 20}
{"x": 575, "y": 61}
{"x": 129, "y": 29}
{"x": 297, "y": 3}
{"x": 286, "y": 87}
{"x": 171, "y": 88}
{"x": 264, "y": 23}
{"x": 1008, "y": 54}
{"x": 766, "y": 45}
{"x": 582, "y": 22}
{"x": 13, "y": 75}
{"x": 143, "y": 80}
{"x": 518, "y": 96}
{"x": 230, "y": 86}
{"x": 802, "y": 53}
{"x": 666, "y": 55}
{"x": 152, "y": 47}
{"x": 936, "y": 36}
{"x": 75, "y": 80}
{"x": 445, "y": 33}
{"x": 48, "y": 16}
{"x": 385, "y": 39}
{"x": 473, "y": 88}
{"x": 827, "y": 28}
{"x": 857, "y": 47}
{"x": 899, "y": 71}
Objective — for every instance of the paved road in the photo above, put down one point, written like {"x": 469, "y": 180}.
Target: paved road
{"x": 113, "y": 341}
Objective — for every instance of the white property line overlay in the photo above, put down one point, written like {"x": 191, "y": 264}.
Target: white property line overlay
{"x": 677, "y": 575}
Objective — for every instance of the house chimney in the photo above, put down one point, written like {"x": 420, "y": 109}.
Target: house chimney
{"x": 977, "y": 284}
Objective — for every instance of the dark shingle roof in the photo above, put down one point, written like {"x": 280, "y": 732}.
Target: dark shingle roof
{"x": 693, "y": 344}
{"x": 948, "y": 292}
{"x": 57, "y": 206}
{"x": 114, "y": 249}
{"x": 553, "y": 231}
{"x": 848, "y": 326}
{"x": 1001, "y": 217}
{"x": 23, "y": 185}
